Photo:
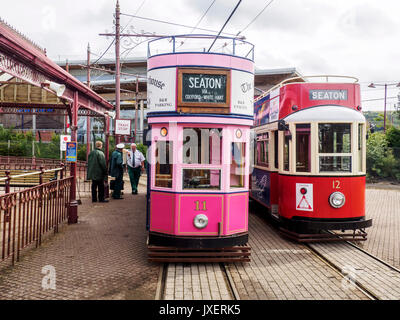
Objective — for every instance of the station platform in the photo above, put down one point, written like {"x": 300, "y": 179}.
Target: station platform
{"x": 104, "y": 256}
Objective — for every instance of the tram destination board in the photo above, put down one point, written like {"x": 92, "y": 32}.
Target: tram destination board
{"x": 200, "y": 90}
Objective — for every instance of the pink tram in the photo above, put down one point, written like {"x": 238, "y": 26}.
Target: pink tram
{"x": 310, "y": 159}
{"x": 201, "y": 112}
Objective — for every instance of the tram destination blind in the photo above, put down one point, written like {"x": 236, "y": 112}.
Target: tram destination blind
{"x": 204, "y": 88}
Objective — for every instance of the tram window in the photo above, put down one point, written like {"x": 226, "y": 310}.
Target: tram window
{"x": 238, "y": 151}
{"x": 276, "y": 144}
{"x": 202, "y": 179}
{"x": 286, "y": 151}
{"x": 335, "y": 138}
{"x": 303, "y": 150}
{"x": 164, "y": 160}
{"x": 335, "y": 163}
{"x": 360, "y": 147}
{"x": 202, "y": 146}
{"x": 262, "y": 153}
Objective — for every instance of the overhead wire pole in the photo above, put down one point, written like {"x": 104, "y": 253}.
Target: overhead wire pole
{"x": 88, "y": 118}
{"x": 136, "y": 107}
{"x": 226, "y": 22}
{"x": 117, "y": 69}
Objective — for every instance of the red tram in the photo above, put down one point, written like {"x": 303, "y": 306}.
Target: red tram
{"x": 310, "y": 159}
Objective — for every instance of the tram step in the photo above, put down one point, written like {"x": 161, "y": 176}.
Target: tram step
{"x": 172, "y": 254}
{"x": 324, "y": 237}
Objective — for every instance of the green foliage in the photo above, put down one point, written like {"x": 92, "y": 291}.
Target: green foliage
{"x": 381, "y": 162}
{"x": 142, "y": 148}
{"x": 81, "y": 152}
{"x": 393, "y": 137}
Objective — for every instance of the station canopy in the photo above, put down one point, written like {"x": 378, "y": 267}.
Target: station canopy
{"x": 31, "y": 82}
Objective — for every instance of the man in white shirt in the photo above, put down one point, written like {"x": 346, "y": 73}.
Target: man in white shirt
{"x": 135, "y": 162}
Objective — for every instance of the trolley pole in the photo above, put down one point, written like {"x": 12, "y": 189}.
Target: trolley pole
{"x": 117, "y": 66}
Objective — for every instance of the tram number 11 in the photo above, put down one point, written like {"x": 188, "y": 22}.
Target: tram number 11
{"x": 203, "y": 208}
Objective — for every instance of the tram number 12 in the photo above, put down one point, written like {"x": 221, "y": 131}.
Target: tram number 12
{"x": 204, "y": 208}
{"x": 336, "y": 184}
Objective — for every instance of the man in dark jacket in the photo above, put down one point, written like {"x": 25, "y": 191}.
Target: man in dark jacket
{"x": 117, "y": 170}
{"x": 97, "y": 172}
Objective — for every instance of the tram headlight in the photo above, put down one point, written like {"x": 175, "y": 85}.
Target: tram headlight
{"x": 337, "y": 199}
{"x": 200, "y": 221}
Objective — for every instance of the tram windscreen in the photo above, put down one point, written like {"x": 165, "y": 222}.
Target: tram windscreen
{"x": 202, "y": 179}
{"x": 335, "y": 147}
{"x": 202, "y": 146}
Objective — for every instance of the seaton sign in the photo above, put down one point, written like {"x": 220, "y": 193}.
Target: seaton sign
{"x": 328, "y": 95}
{"x": 210, "y": 88}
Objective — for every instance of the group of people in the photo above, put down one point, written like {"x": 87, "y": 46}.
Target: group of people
{"x": 98, "y": 173}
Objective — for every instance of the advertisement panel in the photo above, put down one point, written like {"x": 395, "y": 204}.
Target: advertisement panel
{"x": 71, "y": 152}
{"x": 274, "y": 105}
{"x": 261, "y": 111}
{"x": 242, "y": 93}
{"x": 161, "y": 89}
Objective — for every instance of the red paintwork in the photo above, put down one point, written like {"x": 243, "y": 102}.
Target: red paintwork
{"x": 352, "y": 187}
{"x": 298, "y": 94}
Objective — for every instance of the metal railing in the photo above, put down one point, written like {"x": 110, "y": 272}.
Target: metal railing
{"x": 27, "y": 215}
{"x": 23, "y": 163}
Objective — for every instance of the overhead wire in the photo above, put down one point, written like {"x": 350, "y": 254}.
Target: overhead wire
{"x": 226, "y": 22}
{"x": 175, "y": 24}
{"x": 252, "y": 21}
{"x": 201, "y": 19}
{"x": 113, "y": 41}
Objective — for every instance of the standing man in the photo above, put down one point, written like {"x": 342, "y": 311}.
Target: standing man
{"x": 117, "y": 170}
{"x": 135, "y": 165}
{"x": 97, "y": 172}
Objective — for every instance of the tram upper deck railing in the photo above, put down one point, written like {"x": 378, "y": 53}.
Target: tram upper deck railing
{"x": 201, "y": 43}
{"x": 292, "y": 81}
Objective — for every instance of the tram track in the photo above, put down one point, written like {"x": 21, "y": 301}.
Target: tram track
{"x": 338, "y": 270}
{"x": 368, "y": 291}
{"x": 370, "y": 274}
{"x": 162, "y": 279}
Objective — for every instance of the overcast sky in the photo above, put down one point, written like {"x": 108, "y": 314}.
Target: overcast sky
{"x": 359, "y": 38}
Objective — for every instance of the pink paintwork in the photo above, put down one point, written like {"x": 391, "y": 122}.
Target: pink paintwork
{"x": 173, "y": 213}
{"x": 175, "y": 134}
{"x": 201, "y": 60}
{"x": 205, "y": 119}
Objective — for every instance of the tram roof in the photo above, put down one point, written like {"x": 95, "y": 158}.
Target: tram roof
{"x": 326, "y": 113}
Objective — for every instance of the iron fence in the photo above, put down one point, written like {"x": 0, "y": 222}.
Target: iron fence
{"x": 26, "y": 165}
{"x": 27, "y": 215}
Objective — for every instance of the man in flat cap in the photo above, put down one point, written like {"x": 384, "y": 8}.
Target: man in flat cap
{"x": 117, "y": 170}
{"x": 135, "y": 162}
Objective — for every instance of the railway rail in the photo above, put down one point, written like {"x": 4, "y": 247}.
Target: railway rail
{"x": 357, "y": 269}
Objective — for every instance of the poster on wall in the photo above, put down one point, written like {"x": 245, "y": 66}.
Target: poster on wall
{"x": 161, "y": 89}
{"x": 242, "y": 92}
{"x": 71, "y": 154}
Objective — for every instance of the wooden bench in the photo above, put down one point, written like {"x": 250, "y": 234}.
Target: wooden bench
{"x": 28, "y": 181}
